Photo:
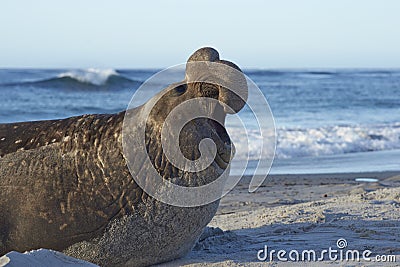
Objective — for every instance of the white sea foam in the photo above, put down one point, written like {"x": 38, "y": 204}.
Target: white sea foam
{"x": 91, "y": 75}
{"x": 314, "y": 142}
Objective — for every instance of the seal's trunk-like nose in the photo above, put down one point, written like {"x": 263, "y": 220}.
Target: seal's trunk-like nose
{"x": 204, "y": 65}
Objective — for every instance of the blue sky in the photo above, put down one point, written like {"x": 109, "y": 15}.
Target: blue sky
{"x": 145, "y": 34}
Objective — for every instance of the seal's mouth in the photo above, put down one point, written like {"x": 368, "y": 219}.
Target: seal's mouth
{"x": 225, "y": 148}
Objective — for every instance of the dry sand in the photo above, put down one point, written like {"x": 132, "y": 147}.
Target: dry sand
{"x": 303, "y": 212}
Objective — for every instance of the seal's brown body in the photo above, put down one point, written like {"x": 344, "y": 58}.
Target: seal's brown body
{"x": 65, "y": 185}
{"x": 60, "y": 180}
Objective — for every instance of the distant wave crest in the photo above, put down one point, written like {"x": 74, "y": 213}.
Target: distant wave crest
{"x": 93, "y": 76}
{"x": 84, "y": 80}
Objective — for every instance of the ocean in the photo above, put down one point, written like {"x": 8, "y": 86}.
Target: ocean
{"x": 345, "y": 120}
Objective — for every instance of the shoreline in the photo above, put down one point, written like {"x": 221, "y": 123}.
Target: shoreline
{"x": 361, "y": 162}
{"x": 333, "y": 175}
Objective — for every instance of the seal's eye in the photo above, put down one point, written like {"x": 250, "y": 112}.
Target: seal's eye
{"x": 179, "y": 90}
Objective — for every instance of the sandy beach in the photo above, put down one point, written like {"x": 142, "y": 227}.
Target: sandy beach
{"x": 303, "y": 212}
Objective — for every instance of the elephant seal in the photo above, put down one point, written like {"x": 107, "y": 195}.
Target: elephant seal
{"x": 65, "y": 184}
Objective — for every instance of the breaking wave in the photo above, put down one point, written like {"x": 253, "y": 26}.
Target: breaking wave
{"x": 331, "y": 140}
